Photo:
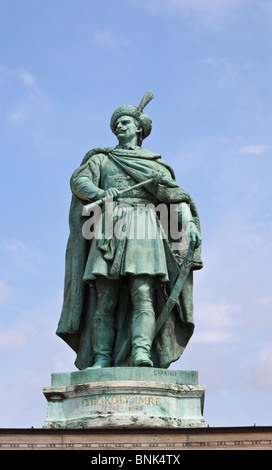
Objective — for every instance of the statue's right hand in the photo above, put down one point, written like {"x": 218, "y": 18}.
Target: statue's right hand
{"x": 111, "y": 192}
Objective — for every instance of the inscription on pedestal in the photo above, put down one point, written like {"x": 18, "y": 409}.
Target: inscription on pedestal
{"x": 121, "y": 403}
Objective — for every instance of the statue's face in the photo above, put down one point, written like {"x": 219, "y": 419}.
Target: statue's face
{"x": 126, "y": 129}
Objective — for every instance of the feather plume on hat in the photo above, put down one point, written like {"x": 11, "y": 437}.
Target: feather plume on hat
{"x": 148, "y": 96}
{"x": 137, "y": 113}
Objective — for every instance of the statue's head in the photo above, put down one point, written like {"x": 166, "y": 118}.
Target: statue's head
{"x": 142, "y": 121}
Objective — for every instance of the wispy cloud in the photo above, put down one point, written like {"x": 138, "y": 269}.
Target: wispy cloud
{"x": 27, "y": 78}
{"x": 109, "y": 39}
{"x": 213, "y": 62}
{"x": 255, "y": 371}
{"x": 13, "y": 339}
{"x": 208, "y": 11}
{"x": 267, "y": 6}
{"x": 253, "y": 149}
{"x": 31, "y": 106}
{"x": 215, "y": 322}
{"x": 21, "y": 255}
{"x": 20, "y": 74}
{"x": 6, "y": 293}
{"x": 31, "y": 100}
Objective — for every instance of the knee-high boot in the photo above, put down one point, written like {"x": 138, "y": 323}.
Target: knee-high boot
{"x": 142, "y": 331}
{"x": 103, "y": 336}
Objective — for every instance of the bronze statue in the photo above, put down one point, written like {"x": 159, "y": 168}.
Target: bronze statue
{"x": 128, "y": 297}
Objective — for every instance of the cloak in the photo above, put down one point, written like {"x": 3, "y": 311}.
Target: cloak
{"x": 79, "y": 299}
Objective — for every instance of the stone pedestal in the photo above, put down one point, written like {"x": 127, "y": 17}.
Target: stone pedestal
{"x": 120, "y": 397}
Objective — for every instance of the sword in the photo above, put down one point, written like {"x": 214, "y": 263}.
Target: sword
{"x": 157, "y": 178}
{"x": 172, "y": 299}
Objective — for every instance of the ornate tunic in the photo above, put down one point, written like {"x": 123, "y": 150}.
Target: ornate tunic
{"x": 135, "y": 242}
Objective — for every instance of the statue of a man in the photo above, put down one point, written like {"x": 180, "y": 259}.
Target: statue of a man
{"x": 118, "y": 283}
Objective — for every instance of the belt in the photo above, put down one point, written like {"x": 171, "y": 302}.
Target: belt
{"x": 134, "y": 201}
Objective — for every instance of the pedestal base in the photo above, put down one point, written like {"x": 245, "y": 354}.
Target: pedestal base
{"x": 125, "y": 397}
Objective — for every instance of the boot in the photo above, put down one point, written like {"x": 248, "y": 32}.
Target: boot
{"x": 143, "y": 331}
{"x": 103, "y": 336}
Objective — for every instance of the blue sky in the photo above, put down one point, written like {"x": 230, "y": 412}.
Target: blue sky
{"x": 64, "y": 67}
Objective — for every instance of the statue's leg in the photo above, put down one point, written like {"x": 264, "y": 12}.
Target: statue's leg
{"x": 143, "y": 319}
{"x": 103, "y": 325}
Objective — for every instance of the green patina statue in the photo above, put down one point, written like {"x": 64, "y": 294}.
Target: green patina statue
{"x": 129, "y": 275}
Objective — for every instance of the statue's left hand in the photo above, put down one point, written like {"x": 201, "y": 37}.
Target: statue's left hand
{"x": 192, "y": 234}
